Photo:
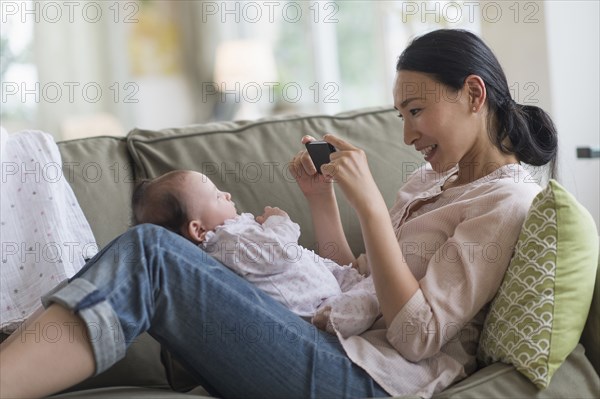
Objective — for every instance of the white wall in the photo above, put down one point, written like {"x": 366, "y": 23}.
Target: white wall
{"x": 573, "y": 44}
{"x": 521, "y": 48}
{"x": 550, "y": 53}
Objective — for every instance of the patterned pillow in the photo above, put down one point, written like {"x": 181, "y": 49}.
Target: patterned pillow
{"x": 537, "y": 316}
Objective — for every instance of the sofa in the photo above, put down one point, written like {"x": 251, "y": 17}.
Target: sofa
{"x": 249, "y": 160}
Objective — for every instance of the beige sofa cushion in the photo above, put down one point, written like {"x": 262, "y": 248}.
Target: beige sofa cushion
{"x": 100, "y": 173}
{"x": 591, "y": 333}
{"x": 576, "y": 378}
{"x": 249, "y": 159}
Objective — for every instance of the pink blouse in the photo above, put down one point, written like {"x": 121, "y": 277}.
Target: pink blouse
{"x": 458, "y": 245}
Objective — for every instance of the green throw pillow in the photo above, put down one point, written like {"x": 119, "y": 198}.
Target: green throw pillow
{"x": 537, "y": 316}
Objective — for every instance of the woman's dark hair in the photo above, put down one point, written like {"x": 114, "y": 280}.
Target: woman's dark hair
{"x": 154, "y": 203}
{"x": 449, "y": 56}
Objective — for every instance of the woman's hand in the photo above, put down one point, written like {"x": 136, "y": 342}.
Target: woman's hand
{"x": 311, "y": 183}
{"x": 349, "y": 168}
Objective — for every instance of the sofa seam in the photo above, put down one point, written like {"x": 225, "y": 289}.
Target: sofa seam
{"x": 117, "y": 138}
{"x": 130, "y": 138}
{"x": 137, "y": 161}
{"x": 481, "y": 381}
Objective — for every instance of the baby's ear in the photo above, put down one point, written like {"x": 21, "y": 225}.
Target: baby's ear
{"x": 196, "y": 232}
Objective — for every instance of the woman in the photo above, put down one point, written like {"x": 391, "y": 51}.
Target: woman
{"x": 436, "y": 259}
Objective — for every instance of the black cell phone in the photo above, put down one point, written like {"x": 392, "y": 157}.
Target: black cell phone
{"x": 319, "y": 152}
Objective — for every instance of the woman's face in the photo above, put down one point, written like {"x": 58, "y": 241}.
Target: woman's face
{"x": 438, "y": 121}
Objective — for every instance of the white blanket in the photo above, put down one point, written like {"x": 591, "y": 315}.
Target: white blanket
{"x": 44, "y": 234}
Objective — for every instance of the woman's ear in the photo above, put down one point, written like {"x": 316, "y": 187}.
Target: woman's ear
{"x": 477, "y": 94}
{"x": 195, "y": 231}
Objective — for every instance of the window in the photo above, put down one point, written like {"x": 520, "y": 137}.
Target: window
{"x": 18, "y": 72}
{"x": 156, "y": 62}
{"x": 345, "y": 52}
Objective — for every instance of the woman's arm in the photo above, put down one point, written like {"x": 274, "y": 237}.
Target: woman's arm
{"x": 394, "y": 282}
{"x": 329, "y": 233}
{"x": 318, "y": 190}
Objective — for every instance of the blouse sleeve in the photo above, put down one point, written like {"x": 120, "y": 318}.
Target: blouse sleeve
{"x": 463, "y": 275}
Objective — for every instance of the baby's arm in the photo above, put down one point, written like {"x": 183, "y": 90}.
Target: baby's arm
{"x": 280, "y": 224}
{"x": 288, "y": 232}
{"x": 247, "y": 248}
{"x": 270, "y": 211}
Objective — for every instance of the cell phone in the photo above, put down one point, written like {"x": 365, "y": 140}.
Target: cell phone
{"x": 319, "y": 152}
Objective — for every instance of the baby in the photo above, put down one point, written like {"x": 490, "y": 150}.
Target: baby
{"x": 264, "y": 250}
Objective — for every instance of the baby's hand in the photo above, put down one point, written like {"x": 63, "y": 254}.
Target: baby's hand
{"x": 270, "y": 211}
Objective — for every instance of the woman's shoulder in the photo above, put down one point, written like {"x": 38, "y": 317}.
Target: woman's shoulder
{"x": 508, "y": 190}
{"x": 508, "y": 185}
{"x": 509, "y": 180}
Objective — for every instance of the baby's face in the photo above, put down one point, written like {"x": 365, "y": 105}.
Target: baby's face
{"x": 206, "y": 203}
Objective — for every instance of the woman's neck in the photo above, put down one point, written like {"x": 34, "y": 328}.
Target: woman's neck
{"x": 482, "y": 164}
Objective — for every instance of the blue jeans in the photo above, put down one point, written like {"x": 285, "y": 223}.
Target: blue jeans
{"x": 236, "y": 340}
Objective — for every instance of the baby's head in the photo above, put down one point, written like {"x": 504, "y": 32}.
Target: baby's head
{"x": 183, "y": 201}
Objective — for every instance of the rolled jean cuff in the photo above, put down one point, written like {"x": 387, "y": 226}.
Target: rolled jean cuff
{"x": 104, "y": 329}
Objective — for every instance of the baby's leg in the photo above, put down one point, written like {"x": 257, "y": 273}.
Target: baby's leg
{"x": 350, "y": 313}
{"x": 347, "y": 276}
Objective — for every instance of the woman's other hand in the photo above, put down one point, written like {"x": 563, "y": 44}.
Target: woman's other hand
{"x": 312, "y": 183}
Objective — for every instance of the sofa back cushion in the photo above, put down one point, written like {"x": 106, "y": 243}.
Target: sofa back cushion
{"x": 249, "y": 158}
{"x": 100, "y": 173}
